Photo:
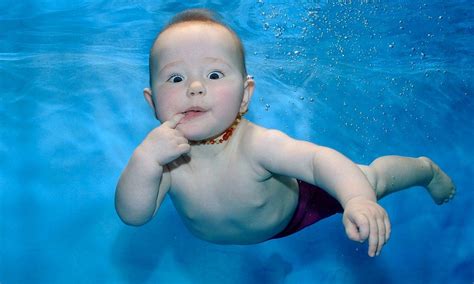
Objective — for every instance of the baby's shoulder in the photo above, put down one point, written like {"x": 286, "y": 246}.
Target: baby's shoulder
{"x": 255, "y": 139}
{"x": 252, "y": 133}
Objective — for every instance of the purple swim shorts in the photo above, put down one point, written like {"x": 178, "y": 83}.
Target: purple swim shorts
{"x": 314, "y": 204}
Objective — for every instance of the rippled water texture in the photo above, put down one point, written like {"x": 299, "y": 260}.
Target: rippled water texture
{"x": 368, "y": 78}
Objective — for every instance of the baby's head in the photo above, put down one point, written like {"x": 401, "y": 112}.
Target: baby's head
{"x": 197, "y": 67}
{"x": 198, "y": 16}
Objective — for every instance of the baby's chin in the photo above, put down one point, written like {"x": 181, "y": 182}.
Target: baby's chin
{"x": 192, "y": 134}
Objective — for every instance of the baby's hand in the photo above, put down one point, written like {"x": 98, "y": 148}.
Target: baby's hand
{"x": 165, "y": 143}
{"x": 364, "y": 218}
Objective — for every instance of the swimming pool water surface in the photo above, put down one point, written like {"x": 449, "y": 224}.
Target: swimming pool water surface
{"x": 368, "y": 78}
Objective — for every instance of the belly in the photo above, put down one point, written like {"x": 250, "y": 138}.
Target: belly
{"x": 239, "y": 215}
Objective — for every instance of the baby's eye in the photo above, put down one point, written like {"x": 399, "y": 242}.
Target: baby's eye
{"x": 175, "y": 78}
{"x": 214, "y": 75}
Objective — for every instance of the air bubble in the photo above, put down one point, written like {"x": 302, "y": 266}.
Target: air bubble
{"x": 278, "y": 32}
{"x": 311, "y": 13}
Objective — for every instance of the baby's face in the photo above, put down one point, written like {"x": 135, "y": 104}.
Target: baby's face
{"x": 197, "y": 71}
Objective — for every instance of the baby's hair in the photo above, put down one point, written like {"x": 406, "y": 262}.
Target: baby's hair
{"x": 195, "y": 15}
{"x": 203, "y": 16}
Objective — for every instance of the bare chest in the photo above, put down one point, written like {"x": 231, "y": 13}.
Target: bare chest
{"x": 220, "y": 203}
{"x": 222, "y": 186}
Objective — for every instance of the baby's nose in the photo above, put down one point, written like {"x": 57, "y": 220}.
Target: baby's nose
{"x": 196, "y": 88}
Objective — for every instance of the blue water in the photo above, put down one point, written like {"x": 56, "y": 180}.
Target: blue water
{"x": 368, "y": 78}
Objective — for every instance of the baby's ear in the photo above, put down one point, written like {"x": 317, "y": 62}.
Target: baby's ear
{"x": 149, "y": 98}
{"x": 249, "y": 87}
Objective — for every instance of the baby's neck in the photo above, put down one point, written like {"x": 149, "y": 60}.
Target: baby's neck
{"x": 221, "y": 138}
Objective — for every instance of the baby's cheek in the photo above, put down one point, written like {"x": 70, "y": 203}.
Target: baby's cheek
{"x": 166, "y": 109}
{"x": 228, "y": 95}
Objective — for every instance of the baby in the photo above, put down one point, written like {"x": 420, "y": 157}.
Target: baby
{"x": 232, "y": 181}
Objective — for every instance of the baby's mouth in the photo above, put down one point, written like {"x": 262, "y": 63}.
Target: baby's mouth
{"x": 192, "y": 113}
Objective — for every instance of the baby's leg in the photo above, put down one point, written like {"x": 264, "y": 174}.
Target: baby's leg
{"x": 390, "y": 174}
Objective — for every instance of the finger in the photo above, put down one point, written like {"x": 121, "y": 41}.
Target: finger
{"x": 363, "y": 225}
{"x": 184, "y": 148}
{"x": 381, "y": 235}
{"x": 181, "y": 140}
{"x": 174, "y": 120}
{"x": 177, "y": 133}
{"x": 373, "y": 237}
{"x": 388, "y": 228}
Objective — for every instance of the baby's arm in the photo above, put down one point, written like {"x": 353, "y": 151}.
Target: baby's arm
{"x": 141, "y": 188}
{"x": 363, "y": 217}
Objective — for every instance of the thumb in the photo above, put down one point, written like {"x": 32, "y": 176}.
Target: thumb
{"x": 174, "y": 120}
{"x": 358, "y": 223}
{"x": 352, "y": 231}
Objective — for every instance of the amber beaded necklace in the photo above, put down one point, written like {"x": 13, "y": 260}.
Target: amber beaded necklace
{"x": 224, "y": 136}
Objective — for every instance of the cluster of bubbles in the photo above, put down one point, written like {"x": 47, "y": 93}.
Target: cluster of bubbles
{"x": 334, "y": 42}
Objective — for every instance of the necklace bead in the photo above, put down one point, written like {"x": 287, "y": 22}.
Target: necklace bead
{"x": 224, "y": 136}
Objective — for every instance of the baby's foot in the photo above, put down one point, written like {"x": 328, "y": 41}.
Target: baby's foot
{"x": 441, "y": 187}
